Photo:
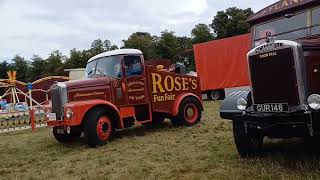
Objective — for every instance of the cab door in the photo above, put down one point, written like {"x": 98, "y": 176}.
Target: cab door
{"x": 136, "y": 85}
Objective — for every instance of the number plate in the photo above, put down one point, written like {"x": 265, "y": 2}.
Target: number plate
{"x": 52, "y": 116}
{"x": 279, "y": 107}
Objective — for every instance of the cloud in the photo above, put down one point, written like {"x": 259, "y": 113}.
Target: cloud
{"x": 39, "y": 27}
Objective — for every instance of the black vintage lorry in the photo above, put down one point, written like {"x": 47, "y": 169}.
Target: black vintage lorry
{"x": 284, "y": 69}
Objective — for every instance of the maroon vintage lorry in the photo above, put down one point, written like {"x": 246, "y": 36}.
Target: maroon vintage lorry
{"x": 284, "y": 68}
{"x": 120, "y": 91}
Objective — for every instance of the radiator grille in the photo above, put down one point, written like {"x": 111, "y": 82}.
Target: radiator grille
{"x": 273, "y": 77}
{"x": 59, "y": 98}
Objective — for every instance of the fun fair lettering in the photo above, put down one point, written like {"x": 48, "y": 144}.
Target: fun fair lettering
{"x": 164, "y": 86}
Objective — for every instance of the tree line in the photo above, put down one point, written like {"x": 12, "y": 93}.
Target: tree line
{"x": 225, "y": 24}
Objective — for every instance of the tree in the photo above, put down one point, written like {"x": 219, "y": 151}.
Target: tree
{"x": 167, "y": 45}
{"x": 21, "y": 66}
{"x": 201, "y": 33}
{"x": 97, "y": 47}
{"x": 108, "y": 46}
{"x": 231, "y": 22}
{"x": 142, "y": 41}
{"x": 3, "y": 70}
{"x": 76, "y": 59}
{"x": 38, "y": 67}
{"x": 55, "y": 64}
{"x": 184, "y": 55}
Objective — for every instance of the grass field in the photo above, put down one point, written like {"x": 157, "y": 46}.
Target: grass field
{"x": 205, "y": 151}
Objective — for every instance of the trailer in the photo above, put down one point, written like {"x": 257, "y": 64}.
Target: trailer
{"x": 222, "y": 64}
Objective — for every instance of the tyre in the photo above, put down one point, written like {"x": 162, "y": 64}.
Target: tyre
{"x": 189, "y": 114}
{"x": 98, "y": 127}
{"x": 214, "y": 95}
{"x": 62, "y": 135}
{"x": 247, "y": 145}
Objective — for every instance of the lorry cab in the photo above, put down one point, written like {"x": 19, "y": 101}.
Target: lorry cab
{"x": 119, "y": 91}
{"x": 283, "y": 65}
{"x": 126, "y": 72}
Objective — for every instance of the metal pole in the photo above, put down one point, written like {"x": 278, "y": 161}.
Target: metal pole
{"x": 47, "y": 97}
{"x": 13, "y": 96}
{"x": 5, "y": 94}
{"x": 16, "y": 94}
{"x": 32, "y": 119}
{"x": 30, "y": 96}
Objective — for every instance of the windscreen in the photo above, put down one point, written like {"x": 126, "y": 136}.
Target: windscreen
{"x": 289, "y": 28}
{"x": 315, "y": 21}
{"x": 106, "y": 66}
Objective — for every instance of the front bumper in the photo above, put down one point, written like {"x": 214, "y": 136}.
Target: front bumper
{"x": 55, "y": 123}
{"x": 55, "y": 119}
{"x": 281, "y": 125}
{"x": 298, "y": 116}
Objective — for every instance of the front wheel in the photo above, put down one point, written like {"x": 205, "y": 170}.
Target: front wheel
{"x": 189, "y": 114}
{"x": 98, "y": 127}
{"x": 247, "y": 145}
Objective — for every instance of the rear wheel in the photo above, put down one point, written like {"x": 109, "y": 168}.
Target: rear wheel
{"x": 213, "y": 95}
{"x": 98, "y": 127}
{"x": 247, "y": 145}
{"x": 63, "y": 136}
{"x": 216, "y": 95}
{"x": 189, "y": 113}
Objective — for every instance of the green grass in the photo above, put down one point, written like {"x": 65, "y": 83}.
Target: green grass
{"x": 205, "y": 151}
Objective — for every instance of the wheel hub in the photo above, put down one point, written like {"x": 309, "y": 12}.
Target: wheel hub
{"x": 190, "y": 112}
{"x": 215, "y": 96}
{"x": 104, "y": 128}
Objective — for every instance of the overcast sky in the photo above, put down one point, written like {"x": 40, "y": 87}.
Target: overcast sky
{"x": 40, "y": 26}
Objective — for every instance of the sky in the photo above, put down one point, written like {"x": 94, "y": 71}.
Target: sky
{"x": 42, "y": 26}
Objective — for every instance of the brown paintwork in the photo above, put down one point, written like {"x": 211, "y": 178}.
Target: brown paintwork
{"x": 281, "y": 7}
{"x": 310, "y": 44}
{"x": 165, "y": 87}
{"x": 312, "y": 59}
{"x": 154, "y": 62}
{"x": 137, "y": 91}
{"x": 97, "y": 88}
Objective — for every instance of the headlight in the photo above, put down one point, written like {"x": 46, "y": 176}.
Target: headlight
{"x": 314, "y": 101}
{"x": 242, "y": 104}
{"x": 69, "y": 114}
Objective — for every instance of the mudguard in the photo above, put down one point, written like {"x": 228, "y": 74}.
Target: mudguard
{"x": 229, "y": 108}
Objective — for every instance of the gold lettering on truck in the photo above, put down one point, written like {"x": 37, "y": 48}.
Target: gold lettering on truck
{"x": 164, "y": 86}
{"x": 88, "y": 94}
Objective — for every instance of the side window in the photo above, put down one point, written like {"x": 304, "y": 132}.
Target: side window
{"x": 315, "y": 21}
{"x": 132, "y": 65}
